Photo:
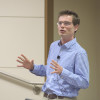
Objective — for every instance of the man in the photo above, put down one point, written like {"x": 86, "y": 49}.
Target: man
{"x": 67, "y": 68}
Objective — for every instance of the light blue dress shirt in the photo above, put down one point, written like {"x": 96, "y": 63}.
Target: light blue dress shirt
{"x": 75, "y": 74}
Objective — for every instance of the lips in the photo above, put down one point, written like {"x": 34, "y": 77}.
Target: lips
{"x": 62, "y": 31}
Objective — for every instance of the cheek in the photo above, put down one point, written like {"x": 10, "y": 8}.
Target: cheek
{"x": 69, "y": 29}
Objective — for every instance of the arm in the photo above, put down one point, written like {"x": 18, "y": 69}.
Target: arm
{"x": 79, "y": 79}
{"x": 39, "y": 70}
{"x": 35, "y": 69}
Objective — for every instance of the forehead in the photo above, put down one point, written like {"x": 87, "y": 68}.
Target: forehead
{"x": 65, "y": 18}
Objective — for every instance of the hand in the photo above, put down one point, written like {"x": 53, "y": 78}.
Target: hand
{"x": 58, "y": 69}
{"x": 25, "y": 62}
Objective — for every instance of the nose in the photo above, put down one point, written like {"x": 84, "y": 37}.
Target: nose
{"x": 62, "y": 25}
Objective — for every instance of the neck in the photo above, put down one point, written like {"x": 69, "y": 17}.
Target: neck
{"x": 65, "y": 40}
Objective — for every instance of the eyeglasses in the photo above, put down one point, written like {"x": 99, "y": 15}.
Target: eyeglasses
{"x": 66, "y": 23}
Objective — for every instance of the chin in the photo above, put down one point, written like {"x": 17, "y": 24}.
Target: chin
{"x": 61, "y": 34}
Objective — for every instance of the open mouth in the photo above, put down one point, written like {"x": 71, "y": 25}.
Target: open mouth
{"x": 62, "y": 31}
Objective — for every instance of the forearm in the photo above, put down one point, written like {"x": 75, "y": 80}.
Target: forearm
{"x": 39, "y": 70}
{"x": 76, "y": 80}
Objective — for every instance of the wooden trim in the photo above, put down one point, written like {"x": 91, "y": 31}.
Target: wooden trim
{"x": 46, "y": 35}
{"x": 48, "y": 26}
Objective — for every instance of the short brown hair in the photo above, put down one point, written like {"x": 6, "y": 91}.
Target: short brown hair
{"x": 76, "y": 19}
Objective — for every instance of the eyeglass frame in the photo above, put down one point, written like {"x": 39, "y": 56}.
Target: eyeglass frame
{"x": 66, "y": 23}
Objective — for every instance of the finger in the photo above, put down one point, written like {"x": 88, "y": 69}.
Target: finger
{"x": 24, "y": 56}
{"x": 55, "y": 62}
{"x": 21, "y": 58}
{"x": 53, "y": 67}
{"x": 19, "y": 61}
{"x": 32, "y": 61}
{"x": 54, "y": 72}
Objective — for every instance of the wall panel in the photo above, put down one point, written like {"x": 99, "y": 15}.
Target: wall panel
{"x": 22, "y": 8}
{"x": 21, "y": 31}
{"x": 21, "y": 35}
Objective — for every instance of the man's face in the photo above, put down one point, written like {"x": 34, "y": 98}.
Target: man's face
{"x": 66, "y": 27}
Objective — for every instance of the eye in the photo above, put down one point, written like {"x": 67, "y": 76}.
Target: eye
{"x": 59, "y": 23}
{"x": 67, "y": 23}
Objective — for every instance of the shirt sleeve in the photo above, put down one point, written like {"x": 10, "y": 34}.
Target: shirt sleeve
{"x": 79, "y": 79}
{"x": 39, "y": 70}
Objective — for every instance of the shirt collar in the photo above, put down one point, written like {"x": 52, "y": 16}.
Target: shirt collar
{"x": 68, "y": 44}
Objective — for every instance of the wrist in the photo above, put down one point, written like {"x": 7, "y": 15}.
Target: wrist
{"x": 32, "y": 68}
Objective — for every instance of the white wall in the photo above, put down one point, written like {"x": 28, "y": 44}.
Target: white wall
{"x": 21, "y": 31}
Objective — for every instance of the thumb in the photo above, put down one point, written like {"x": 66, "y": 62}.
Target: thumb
{"x": 32, "y": 65}
{"x": 32, "y": 62}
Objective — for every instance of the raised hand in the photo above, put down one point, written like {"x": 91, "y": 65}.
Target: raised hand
{"x": 58, "y": 69}
{"x": 25, "y": 62}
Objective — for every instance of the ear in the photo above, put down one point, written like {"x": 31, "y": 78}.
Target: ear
{"x": 76, "y": 27}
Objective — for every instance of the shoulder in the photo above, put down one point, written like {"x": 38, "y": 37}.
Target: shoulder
{"x": 55, "y": 43}
{"x": 80, "y": 49}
